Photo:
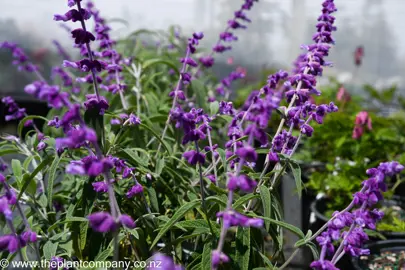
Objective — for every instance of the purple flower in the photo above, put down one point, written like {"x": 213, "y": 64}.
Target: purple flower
{"x": 5, "y": 209}
{"x": 248, "y": 153}
{"x": 102, "y": 222}
{"x": 82, "y": 37}
{"x": 193, "y": 157}
{"x": 98, "y": 103}
{"x": 9, "y": 242}
{"x": 242, "y": 181}
{"x": 41, "y": 146}
{"x": 29, "y": 236}
{"x": 3, "y": 167}
{"x": 232, "y": 218}
{"x": 217, "y": 258}
{"x": 76, "y": 137}
{"x": 165, "y": 263}
{"x": 323, "y": 265}
{"x": 127, "y": 221}
{"x": 13, "y": 110}
{"x": 100, "y": 186}
{"x": 134, "y": 120}
{"x": 134, "y": 190}
{"x": 207, "y": 61}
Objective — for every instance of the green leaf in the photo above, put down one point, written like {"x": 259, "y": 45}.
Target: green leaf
{"x": 51, "y": 178}
{"x": 266, "y": 260}
{"x": 296, "y": 170}
{"x": 4, "y": 152}
{"x": 25, "y": 119}
{"x": 153, "y": 198}
{"x": 266, "y": 203}
{"x": 95, "y": 120}
{"x": 160, "y": 164}
{"x": 314, "y": 250}
{"x": 151, "y": 62}
{"x": 133, "y": 157}
{"x": 49, "y": 249}
{"x": 28, "y": 180}
{"x": 17, "y": 170}
{"x": 239, "y": 202}
{"x": 206, "y": 257}
{"x": 103, "y": 255}
{"x": 243, "y": 247}
{"x": 214, "y": 107}
{"x": 177, "y": 215}
{"x": 287, "y": 226}
{"x": 157, "y": 136}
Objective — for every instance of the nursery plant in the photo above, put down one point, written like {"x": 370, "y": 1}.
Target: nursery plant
{"x": 144, "y": 159}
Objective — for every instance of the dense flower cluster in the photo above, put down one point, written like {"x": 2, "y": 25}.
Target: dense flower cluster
{"x": 356, "y": 220}
{"x": 227, "y": 36}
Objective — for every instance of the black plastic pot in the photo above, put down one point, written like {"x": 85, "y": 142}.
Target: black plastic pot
{"x": 377, "y": 248}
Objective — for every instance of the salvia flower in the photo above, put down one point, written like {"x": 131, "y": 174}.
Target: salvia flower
{"x": 349, "y": 224}
{"x": 20, "y": 58}
{"x": 165, "y": 263}
{"x": 13, "y": 110}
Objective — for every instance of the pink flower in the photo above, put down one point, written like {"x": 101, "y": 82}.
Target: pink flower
{"x": 343, "y": 95}
{"x": 362, "y": 120}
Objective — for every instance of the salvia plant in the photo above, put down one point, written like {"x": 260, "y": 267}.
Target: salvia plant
{"x": 144, "y": 158}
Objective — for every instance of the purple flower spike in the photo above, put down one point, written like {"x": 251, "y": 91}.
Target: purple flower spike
{"x": 102, "y": 222}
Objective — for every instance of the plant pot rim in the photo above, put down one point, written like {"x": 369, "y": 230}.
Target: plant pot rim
{"x": 325, "y": 219}
{"x": 393, "y": 243}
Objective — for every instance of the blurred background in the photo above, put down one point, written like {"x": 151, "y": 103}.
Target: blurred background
{"x": 272, "y": 40}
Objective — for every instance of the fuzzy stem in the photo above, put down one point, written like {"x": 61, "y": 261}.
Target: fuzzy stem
{"x": 287, "y": 262}
{"x": 183, "y": 69}
{"x": 213, "y": 157}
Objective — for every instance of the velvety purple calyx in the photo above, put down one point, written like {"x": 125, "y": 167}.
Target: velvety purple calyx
{"x": 193, "y": 157}
{"x": 82, "y": 37}
{"x": 217, "y": 258}
{"x": 76, "y": 138}
{"x": 5, "y": 208}
{"x": 102, "y": 222}
{"x": 100, "y": 186}
{"x": 243, "y": 182}
{"x": 73, "y": 15}
{"x": 248, "y": 153}
{"x": 232, "y": 218}
{"x": 134, "y": 190}
{"x": 98, "y": 103}
{"x": 127, "y": 221}
{"x": 9, "y": 242}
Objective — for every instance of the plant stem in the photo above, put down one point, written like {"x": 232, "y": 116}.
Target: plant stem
{"x": 183, "y": 69}
{"x": 287, "y": 262}
{"x": 213, "y": 157}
